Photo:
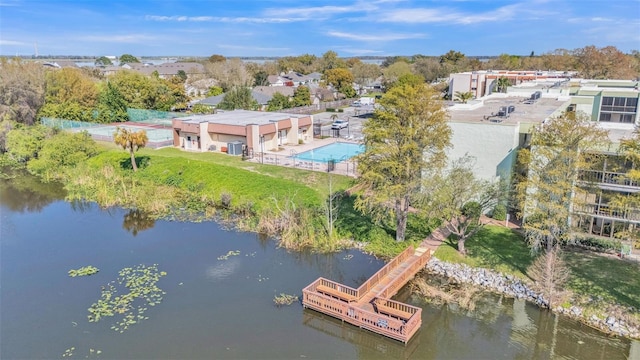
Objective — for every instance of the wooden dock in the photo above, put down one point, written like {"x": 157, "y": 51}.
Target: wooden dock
{"x": 370, "y": 306}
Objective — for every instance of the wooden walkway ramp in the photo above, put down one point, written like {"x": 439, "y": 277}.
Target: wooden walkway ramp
{"x": 370, "y": 306}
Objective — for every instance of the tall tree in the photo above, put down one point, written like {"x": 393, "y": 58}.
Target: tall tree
{"x": 217, "y": 58}
{"x": 278, "y": 102}
{"x": 230, "y": 73}
{"x": 604, "y": 63}
{"x": 301, "y": 96}
{"x": 238, "y": 98}
{"x": 261, "y": 78}
{"x": 342, "y": 80}
{"x": 132, "y": 141}
{"x": 330, "y": 60}
{"x": 395, "y": 71}
{"x": 405, "y": 139}
{"x": 560, "y": 149}
{"x": 70, "y": 94}
{"x": 128, "y": 59}
{"x": 363, "y": 73}
{"x": 459, "y": 199}
{"x": 629, "y": 150}
{"x": 22, "y": 89}
{"x": 112, "y": 107}
{"x": 502, "y": 84}
{"x": 103, "y": 61}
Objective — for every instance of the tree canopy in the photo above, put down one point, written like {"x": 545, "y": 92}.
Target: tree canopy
{"x": 103, "y": 61}
{"x": 70, "y": 94}
{"x": 128, "y": 59}
{"x": 405, "y": 140}
{"x": 560, "y": 149}
{"x": 238, "y": 98}
{"x": 22, "y": 89}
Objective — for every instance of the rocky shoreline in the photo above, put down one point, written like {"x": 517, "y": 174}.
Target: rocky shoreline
{"x": 513, "y": 287}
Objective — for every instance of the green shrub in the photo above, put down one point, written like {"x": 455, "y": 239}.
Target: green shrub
{"x": 499, "y": 212}
{"x": 600, "y": 244}
{"x": 330, "y": 110}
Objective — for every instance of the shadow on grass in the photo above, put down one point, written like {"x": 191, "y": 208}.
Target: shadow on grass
{"x": 141, "y": 161}
{"x": 609, "y": 278}
{"x": 358, "y": 225}
{"x": 493, "y": 247}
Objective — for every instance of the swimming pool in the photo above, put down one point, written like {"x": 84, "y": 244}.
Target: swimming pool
{"x": 338, "y": 151}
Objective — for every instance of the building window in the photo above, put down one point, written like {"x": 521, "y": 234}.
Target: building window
{"x": 626, "y": 118}
{"x": 605, "y": 117}
{"x": 619, "y": 104}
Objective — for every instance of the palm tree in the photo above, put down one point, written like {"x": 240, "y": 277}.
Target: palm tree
{"x": 463, "y": 96}
{"x": 503, "y": 83}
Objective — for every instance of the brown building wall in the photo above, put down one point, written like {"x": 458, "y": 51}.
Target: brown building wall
{"x": 227, "y": 129}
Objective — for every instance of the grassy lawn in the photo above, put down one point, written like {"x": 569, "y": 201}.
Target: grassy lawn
{"x": 317, "y": 181}
{"x": 592, "y": 275}
{"x": 607, "y": 277}
{"x": 493, "y": 247}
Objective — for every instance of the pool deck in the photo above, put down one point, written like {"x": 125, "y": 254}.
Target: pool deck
{"x": 284, "y": 157}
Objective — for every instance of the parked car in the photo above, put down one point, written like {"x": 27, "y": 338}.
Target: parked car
{"x": 339, "y": 124}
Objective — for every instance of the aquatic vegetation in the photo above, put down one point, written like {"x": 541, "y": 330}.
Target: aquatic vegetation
{"x": 229, "y": 254}
{"x": 68, "y": 352}
{"x": 284, "y": 299}
{"x": 92, "y": 352}
{"x": 141, "y": 283}
{"x": 84, "y": 271}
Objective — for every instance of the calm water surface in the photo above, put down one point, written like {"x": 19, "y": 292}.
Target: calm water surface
{"x": 223, "y": 309}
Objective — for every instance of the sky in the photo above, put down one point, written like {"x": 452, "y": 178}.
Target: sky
{"x": 295, "y": 27}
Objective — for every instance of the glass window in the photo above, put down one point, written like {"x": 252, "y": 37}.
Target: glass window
{"x": 607, "y": 100}
{"x": 619, "y": 101}
{"x": 605, "y": 117}
{"x": 626, "y": 118}
{"x": 633, "y": 102}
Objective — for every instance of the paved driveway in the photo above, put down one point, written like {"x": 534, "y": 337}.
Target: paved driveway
{"x": 355, "y": 115}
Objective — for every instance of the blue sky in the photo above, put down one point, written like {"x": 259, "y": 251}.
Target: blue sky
{"x": 295, "y": 27}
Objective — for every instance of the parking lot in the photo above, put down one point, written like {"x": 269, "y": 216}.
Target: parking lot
{"x": 354, "y": 115}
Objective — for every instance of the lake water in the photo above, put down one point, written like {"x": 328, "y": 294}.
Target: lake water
{"x": 221, "y": 307}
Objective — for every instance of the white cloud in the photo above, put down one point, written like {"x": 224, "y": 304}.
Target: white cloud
{"x": 178, "y": 18}
{"x": 314, "y": 12}
{"x": 444, "y": 15}
{"x": 12, "y": 42}
{"x": 126, "y": 39}
{"x": 375, "y": 36}
{"x": 260, "y": 20}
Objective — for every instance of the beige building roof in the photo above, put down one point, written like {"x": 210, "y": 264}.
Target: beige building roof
{"x": 486, "y": 109}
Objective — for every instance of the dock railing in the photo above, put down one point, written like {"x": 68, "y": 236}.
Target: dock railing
{"x": 387, "y": 268}
{"x": 394, "y": 328}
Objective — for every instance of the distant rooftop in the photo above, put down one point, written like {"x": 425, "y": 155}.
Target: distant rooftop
{"x": 486, "y": 110}
{"x": 240, "y": 117}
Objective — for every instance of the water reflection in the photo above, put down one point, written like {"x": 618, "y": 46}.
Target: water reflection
{"x": 25, "y": 193}
{"x": 135, "y": 221}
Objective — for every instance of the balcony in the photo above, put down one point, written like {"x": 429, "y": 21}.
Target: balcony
{"x": 610, "y": 178}
{"x": 606, "y": 211}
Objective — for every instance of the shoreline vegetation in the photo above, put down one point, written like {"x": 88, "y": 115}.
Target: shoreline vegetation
{"x": 292, "y": 205}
